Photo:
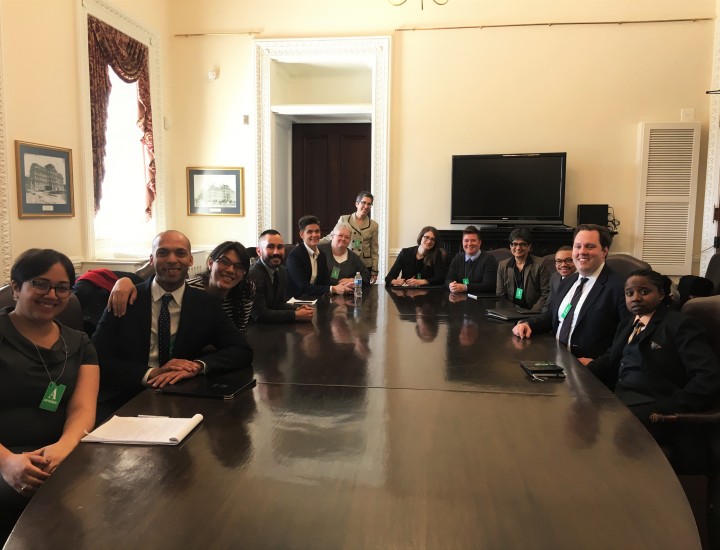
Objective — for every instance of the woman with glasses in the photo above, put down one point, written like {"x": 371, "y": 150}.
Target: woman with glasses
{"x": 49, "y": 379}
{"x": 522, "y": 279}
{"x": 364, "y": 233}
{"x": 419, "y": 265}
{"x": 225, "y": 277}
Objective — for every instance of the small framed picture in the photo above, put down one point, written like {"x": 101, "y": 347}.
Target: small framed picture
{"x": 216, "y": 191}
{"x": 44, "y": 180}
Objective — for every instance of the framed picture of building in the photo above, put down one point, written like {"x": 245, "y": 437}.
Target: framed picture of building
{"x": 216, "y": 191}
{"x": 44, "y": 180}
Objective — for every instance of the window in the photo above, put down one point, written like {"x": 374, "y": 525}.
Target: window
{"x": 123, "y": 189}
{"x": 122, "y": 212}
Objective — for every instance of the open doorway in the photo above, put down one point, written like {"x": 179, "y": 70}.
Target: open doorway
{"x": 278, "y": 62}
{"x": 330, "y": 166}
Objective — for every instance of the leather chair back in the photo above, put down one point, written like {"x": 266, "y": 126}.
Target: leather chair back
{"x": 500, "y": 254}
{"x": 713, "y": 272}
{"x": 707, "y": 310}
{"x": 624, "y": 264}
{"x": 549, "y": 263}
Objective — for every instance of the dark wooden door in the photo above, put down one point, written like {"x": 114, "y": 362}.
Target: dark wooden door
{"x": 330, "y": 166}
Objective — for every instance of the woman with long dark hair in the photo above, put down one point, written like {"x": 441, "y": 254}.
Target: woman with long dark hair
{"x": 420, "y": 265}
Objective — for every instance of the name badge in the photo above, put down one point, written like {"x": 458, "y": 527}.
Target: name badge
{"x": 466, "y": 281}
{"x": 52, "y": 397}
{"x": 566, "y": 311}
{"x": 518, "y": 293}
{"x": 357, "y": 243}
{"x": 418, "y": 276}
{"x": 335, "y": 273}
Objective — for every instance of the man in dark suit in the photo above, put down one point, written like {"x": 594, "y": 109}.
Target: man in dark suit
{"x": 564, "y": 267}
{"x": 162, "y": 337}
{"x": 308, "y": 273}
{"x": 270, "y": 278}
{"x": 660, "y": 359}
{"x": 588, "y": 306}
{"x": 472, "y": 270}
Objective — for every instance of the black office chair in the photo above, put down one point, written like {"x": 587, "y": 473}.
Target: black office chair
{"x": 500, "y": 254}
{"x": 713, "y": 272}
{"x": 624, "y": 264}
{"x": 71, "y": 316}
{"x": 288, "y": 248}
{"x": 707, "y": 310}
{"x": 549, "y": 264}
{"x": 93, "y": 299}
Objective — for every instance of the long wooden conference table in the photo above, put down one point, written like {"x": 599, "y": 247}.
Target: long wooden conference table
{"x": 402, "y": 422}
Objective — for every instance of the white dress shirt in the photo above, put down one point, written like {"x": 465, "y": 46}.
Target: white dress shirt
{"x": 568, "y": 298}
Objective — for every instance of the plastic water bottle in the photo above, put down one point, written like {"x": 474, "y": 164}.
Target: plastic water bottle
{"x": 358, "y": 285}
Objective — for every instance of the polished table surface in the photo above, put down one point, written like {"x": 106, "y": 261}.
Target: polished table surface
{"x": 405, "y": 422}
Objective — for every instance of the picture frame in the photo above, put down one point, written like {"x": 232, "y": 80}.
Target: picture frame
{"x": 44, "y": 181}
{"x": 216, "y": 191}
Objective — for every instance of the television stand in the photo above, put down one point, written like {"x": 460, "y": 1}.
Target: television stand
{"x": 546, "y": 239}
{"x": 551, "y": 229}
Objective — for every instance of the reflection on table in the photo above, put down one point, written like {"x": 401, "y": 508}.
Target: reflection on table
{"x": 367, "y": 429}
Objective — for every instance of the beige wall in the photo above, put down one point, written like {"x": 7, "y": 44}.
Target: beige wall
{"x": 40, "y": 76}
{"x": 580, "y": 89}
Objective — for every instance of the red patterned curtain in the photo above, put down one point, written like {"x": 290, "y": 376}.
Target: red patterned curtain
{"x": 109, "y": 48}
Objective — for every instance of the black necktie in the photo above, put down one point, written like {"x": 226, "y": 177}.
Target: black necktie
{"x": 567, "y": 322}
{"x": 164, "y": 330}
{"x": 468, "y": 267}
{"x": 276, "y": 284}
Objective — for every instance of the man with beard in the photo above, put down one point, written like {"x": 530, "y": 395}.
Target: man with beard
{"x": 270, "y": 278}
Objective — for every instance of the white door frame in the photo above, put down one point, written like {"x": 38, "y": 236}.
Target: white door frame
{"x": 270, "y": 183}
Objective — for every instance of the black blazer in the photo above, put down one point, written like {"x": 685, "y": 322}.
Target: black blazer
{"x": 482, "y": 275}
{"x": 406, "y": 264}
{"x": 269, "y": 307}
{"x": 123, "y": 343}
{"x": 604, "y": 308}
{"x": 299, "y": 273}
{"x": 678, "y": 365}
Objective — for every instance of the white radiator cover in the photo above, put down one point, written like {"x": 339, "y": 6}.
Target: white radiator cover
{"x": 668, "y": 160}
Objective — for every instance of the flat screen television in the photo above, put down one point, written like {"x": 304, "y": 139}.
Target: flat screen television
{"x": 522, "y": 189}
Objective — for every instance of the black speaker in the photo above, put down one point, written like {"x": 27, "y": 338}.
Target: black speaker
{"x": 593, "y": 213}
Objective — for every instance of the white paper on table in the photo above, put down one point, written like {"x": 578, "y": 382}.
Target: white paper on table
{"x": 308, "y": 302}
{"x": 143, "y": 430}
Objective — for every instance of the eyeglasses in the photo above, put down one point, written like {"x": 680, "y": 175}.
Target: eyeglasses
{"x": 426, "y": 238}
{"x": 43, "y": 286}
{"x": 365, "y": 203}
{"x": 519, "y": 245}
{"x": 566, "y": 261}
{"x": 223, "y": 261}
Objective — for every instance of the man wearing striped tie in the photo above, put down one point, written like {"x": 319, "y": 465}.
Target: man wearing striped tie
{"x": 161, "y": 338}
{"x": 585, "y": 312}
